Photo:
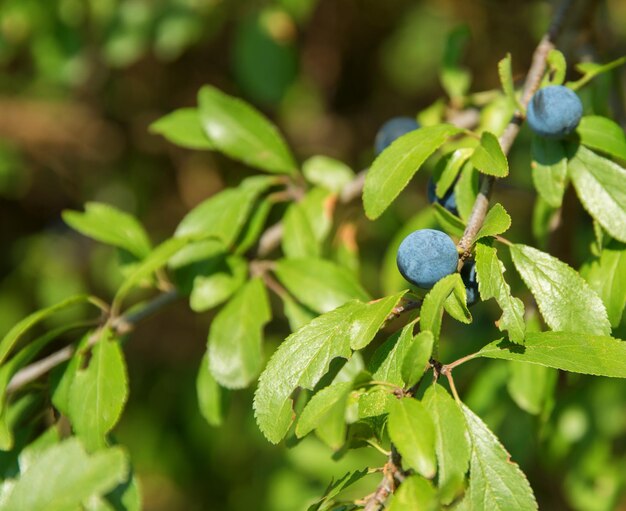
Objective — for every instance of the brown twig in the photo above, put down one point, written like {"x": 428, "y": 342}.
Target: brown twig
{"x": 121, "y": 325}
{"x": 532, "y": 83}
{"x": 392, "y": 476}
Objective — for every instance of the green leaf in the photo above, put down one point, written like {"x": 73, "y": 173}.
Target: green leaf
{"x": 602, "y": 134}
{"x": 217, "y": 287}
{"x": 531, "y": 386}
{"x": 549, "y": 169}
{"x": 386, "y": 363}
{"x": 565, "y": 300}
{"x": 327, "y": 172}
{"x": 607, "y": 277}
{"x": 109, "y": 225}
{"x": 543, "y": 221}
{"x": 496, "y": 222}
{"x": 64, "y": 476}
{"x": 63, "y": 376}
{"x": 26, "y": 354}
{"x": 155, "y": 260}
{"x": 395, "y": 166}
{"x": 432, "y": 308}
{"x": 375, "y": 402}
{"x": 577, "y": 353}
{"x": 416, "y": 359}
{"x": 412, "y": 431}
{"x": 298, "y": 237}
{"x": 183, "y": 128}
{"x": 558, "y": 67}
{"x": 491, "y": 284}
{"x": 223, "y": 215}
{"x": 415, "y": 492}
{"x": 209, "y": 394}
{"x": 236, "y": 335}
{"x": 466, "y": 190}
{"x": 14, "y": 335}
{"x": 450, "y": 223}
{"x": 242, "y": 133}
{"x": 496, "y": 483}
{"x": 253, "y": 228}
{"x": 489, "y": 158}
{"x": 325, "y": 413}
{"x": 451, "y": 441}
{"x": 98, "y": 393}
{"x": 506, "y": 79}
{"x": 455, "y": 80}
{"x": 601, "y": 187}
{"x": 37, "y": 447}
{"x": 319, "y": 284}
{"x": 318, "y": 205}
{"x": 593, "y": 69}
{"x": 297, "y": 315}
{"x": 335, "y": 488}
{"x": 448, "y": 169}
{"x": 304, "y": 357}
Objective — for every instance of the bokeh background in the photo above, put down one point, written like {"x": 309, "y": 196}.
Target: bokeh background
{"x": 81, "y": 81}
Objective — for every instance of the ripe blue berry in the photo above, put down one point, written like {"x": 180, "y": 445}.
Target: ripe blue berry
{"x": 394, "y": 128}
{"x": 448, "y": 200}
{"x": 426, "y": 256}
{"x": 468, "y": 275}
{"x": 554, "y": 111}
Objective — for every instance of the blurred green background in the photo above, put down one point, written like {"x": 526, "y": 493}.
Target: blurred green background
{"x": 80, "y": 82}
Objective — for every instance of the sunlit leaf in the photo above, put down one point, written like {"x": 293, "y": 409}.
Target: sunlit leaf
{"x": 601, "y": 187}
{"x": 396, "y": 165}
{"x": 496, "y": 483}
{"x": 304, "y": 357}
{"x": 235, "y": 336}
{"x": 602, "y": 134}
{"x": 182, "y": 127}
{"x": 577, "y": 353}
{"x": 64, "y": 476}
{"x": 241, "y": 132}
{"x": 98, "y": 393}
{"x": 491, "y": 284}
{"x": 319, "y": 284}
{"x": 489, "y": 158}
{"x": 452, "y": 443}
{"x": 565, "y": 300}
{"x": 412, "y": 431}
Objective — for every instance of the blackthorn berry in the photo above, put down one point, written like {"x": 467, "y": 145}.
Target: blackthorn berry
{"x": 554, "y": 111}
{"x": 394, "y": 128}
{"x": 448, "y": 200}
{"x": 468, "y": 275}
{"x": 426, "y": 256}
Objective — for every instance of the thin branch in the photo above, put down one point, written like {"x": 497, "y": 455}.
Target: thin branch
{"x": 354, "y": 188}
{"x": 121, "y": 325}
{"x": 35, "y": 370}
{"x": 376, "y": 501}
{"x": 532, "y": 83}
{"x": 456, "y": 363}
{"x": 405, "y": 306}
{"x": 124, "y": 324}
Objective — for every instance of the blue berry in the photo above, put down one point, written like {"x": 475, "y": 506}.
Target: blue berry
{"x": 394, "y": 128}
{"x": 468, "y": 275}
{"x": 426, "y": 256}
{"x": 554, "y": 111}
{"x": 448, "y": 200}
